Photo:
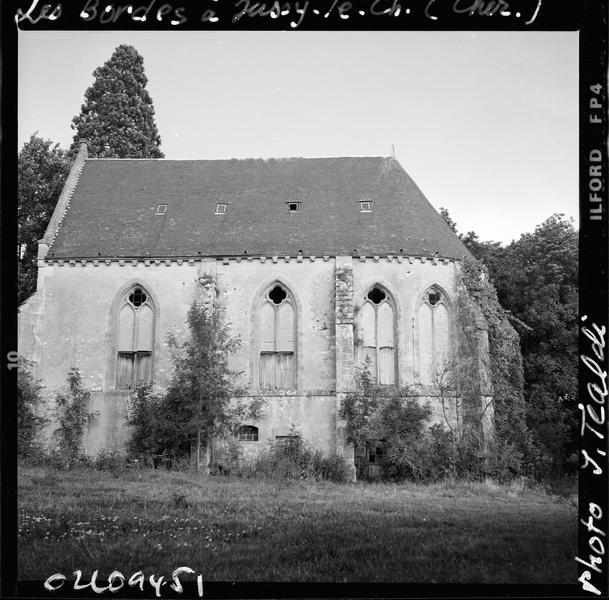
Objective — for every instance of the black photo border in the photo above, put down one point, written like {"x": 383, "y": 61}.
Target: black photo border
{"x": 590, "y": 18}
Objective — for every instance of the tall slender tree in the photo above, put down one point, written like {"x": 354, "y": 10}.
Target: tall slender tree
{"x": 41, "y": 172}
{"x": 117, "y": 117}
{"x": 199, "y": 403}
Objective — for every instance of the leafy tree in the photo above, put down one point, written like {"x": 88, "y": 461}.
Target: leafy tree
{"x": 117, "y": 117}
{"x": 490, "y": 253}
{"x": 41, "y": 172}
{"x": 200, "y": 401}
{"x": 539, "y": 284}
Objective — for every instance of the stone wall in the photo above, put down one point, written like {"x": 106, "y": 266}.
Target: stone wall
{"x": 71, "y": 321}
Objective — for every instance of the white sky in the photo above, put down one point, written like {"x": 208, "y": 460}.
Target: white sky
{"x": 486, "y": 123}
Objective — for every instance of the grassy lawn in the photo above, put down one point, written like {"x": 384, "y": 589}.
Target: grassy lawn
{"x": 256, "y": 530}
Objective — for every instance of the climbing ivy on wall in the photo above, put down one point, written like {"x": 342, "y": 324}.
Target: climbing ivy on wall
{"x": 505, "y": 362}
{"x": 482, "y": 384}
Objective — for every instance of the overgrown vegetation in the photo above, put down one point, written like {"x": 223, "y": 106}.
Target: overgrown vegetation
{"x": 286, "y": 460}
{"x": 459, "y": 445}
{"x": 29, "y": 421}
{"x": 412, "y": 449}
{"x": 536, "y": 278}
{"x": 73, "y": 418}
{"x": 396, "y": 421}
{"x": 511, "y": 443}
{"x": 200, "y": 401}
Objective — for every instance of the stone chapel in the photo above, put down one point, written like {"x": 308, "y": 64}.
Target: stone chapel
{"x": 317, "y": 264}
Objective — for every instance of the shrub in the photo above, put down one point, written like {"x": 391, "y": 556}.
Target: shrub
{"x": 73, "y": 418}
{"x": 147, "y": 432}
{"x": 57, "y": 459}
{"x": 28, "y": 420}
{"x": 111, "y": 460}
{"x": 291, "y": 461}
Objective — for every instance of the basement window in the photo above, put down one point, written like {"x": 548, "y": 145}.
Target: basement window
{"x": 289, "y": 444}
{"x": 248, "y": 433}
{"x": 376, "y": 451}
{"x": 161, "y": 209}
{"x": 293, "y": 206}
{"x": 221, "y": 208}
{"x": 365, "y": 206}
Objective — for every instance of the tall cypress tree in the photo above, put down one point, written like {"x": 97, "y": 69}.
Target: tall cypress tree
{"x": 117, "y": 117}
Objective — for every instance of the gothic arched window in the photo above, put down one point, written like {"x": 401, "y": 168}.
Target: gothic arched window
{"x": 377, "y": 329}
{"x": 277, "y": 336}
{"x": 135, "y": 339}
{"x": 433, "y": 336}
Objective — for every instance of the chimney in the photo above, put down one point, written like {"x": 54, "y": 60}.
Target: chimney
{"x": 83, "y": 147}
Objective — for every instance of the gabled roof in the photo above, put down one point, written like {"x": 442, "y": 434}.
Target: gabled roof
{"x": 112, "y": 210}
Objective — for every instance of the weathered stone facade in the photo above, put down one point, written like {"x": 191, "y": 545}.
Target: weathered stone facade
{"x": 74, "y": 320}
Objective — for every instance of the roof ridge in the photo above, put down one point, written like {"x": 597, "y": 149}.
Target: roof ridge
{"x": 272, "y": 158}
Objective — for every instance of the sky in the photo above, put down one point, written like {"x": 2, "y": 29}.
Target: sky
{"x": 486, "y": 123}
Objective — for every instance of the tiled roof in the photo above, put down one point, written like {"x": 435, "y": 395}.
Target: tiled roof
{"x": 112, "y": 211}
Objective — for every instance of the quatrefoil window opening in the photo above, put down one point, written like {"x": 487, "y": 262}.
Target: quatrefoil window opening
{"x": 137, "y": 297}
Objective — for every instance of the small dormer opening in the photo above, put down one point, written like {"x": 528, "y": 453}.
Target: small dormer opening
{"x": 161, "y": 209}
{"x": 365, "y": 206}
{"x": 221, "y": 208}
{"x": 293, "y": 206}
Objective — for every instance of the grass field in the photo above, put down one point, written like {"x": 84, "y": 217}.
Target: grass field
{"x": 257, "y": 530}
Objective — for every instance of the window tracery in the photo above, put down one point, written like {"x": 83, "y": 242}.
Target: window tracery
{"x": 135, "y": 339}
{"x": 277, "y": 335}
{"x": 433, "y": 336}
{"x": 377, "y": 333}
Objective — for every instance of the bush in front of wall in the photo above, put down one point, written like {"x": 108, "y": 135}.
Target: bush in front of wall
{"x": 29, "y": 421}
{"x": 73, "y": 417}
{"x": 294, "y": 460}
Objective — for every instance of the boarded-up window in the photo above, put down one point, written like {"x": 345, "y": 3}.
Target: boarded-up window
{"x": 433, "y": 337}
{"x": 377, "y": 336}
{"x": 133, "y": 367}
{"x": 135, "y": 340}
{"x": 277, "y": 335}
{"x": 288, "y": 445}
